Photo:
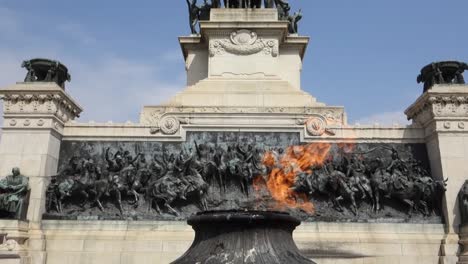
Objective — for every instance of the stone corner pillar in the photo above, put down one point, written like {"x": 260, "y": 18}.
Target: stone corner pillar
{"x": 35, "y": 114}
{"x": 442, "y": 110}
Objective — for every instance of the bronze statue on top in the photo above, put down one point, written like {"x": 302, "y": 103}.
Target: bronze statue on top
{"x": 13, "y": 192}
{"x": 194, "y": 15}
{"x": 293, "y": 22}
{"x": 444, "y": 72}
{"x": 202, "y": 13}
{"x": 44, "y": 70}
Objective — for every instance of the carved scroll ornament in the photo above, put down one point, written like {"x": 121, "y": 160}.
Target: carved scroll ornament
{"x": 244, "y": 42}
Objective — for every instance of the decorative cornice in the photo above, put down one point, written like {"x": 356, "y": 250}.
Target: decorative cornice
{"x": 169, "y": 120}
{"x": 25, "y": 103}
{"x": 333, "y": 115}
{"x": 444, "y": 105}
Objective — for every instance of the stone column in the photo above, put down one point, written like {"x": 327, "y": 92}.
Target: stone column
{"x": 443, "y": 112}
{"x": 34, "y": 117}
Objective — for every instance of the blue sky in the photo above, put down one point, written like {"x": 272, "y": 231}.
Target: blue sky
{"x": 364, "y": 54}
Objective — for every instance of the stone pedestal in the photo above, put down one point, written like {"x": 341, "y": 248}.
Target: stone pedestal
{"x": 242, "y": 58}
{"x": 442, "y": 112}
{"x": 14, "y": 242}
{"x": 34, "y": 118}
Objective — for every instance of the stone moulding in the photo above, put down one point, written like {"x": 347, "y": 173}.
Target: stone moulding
{"x": 333, "y": 115}
{"x": 168, "y": 121}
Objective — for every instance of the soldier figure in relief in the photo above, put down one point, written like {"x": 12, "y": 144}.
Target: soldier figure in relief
{"x": 398, "y": 172}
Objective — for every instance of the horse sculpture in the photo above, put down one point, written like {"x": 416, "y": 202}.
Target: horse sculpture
{"x": 329, "y": 182}
{"x": 421, "y": 193}
{"x": 167, "y": 190}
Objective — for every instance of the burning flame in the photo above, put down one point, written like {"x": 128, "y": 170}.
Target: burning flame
{"x": 284, "y": 169}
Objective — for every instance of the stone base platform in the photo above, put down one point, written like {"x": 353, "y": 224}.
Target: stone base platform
{"x": 73, "y": 242}
{"x": 13, "y": 242}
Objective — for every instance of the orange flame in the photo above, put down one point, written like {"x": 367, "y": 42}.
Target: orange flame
{"x": 285, "y": 168}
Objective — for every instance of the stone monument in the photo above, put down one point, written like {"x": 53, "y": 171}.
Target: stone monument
{"x": 121, "y": 193}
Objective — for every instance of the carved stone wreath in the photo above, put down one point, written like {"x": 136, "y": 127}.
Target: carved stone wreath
{"x": 316, "y": 126}
{"x": 169, "y": 125}
{"x": 244, "y": 42}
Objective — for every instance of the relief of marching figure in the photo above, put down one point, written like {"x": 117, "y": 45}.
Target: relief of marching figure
{"x": 154, "y": 180}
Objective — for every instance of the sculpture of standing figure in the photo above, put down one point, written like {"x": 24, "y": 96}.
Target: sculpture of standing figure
{"x": 293, "y": 21}
{"x": 232, "y": 3}
{"x": 216, "y": 3}
{"x": 205, "y": 10}
{"x": 31, "y": 76}
{"x": 438, "y": 77}
{"x": 13, "y": 192}
{"x": 194, "y": 15}
{"x": 251, "y": 3}
{"x": 283, "y": 9}
{"x": 269, "y": 3}
{"x": 459, "y": 75}
{"x": 463, "y": 203}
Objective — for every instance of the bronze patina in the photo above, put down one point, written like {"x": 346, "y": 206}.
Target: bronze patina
{"x": 13, "y": 190}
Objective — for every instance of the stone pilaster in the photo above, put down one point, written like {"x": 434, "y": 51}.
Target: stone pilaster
{"x": 35, "y": 114}
{"x": 443, "y": 113}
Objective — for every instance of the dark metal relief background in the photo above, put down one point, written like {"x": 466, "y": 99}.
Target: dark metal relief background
{"x": 251, "y": 171}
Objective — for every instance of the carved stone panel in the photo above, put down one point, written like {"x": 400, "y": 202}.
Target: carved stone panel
{"x": 248, "y": 170}
{"x": 244, "y": 42}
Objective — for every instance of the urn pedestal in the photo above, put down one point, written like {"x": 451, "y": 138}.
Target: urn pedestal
{"x": 240, "y": 237}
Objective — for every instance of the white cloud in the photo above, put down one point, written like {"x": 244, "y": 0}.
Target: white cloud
{"x": 385, "y": 118}
{"x": 107, "y": 87}
{"x": 115, "y": 88}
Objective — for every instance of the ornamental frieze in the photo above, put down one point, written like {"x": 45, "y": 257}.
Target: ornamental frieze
{"x": 438, "y": 106}
{"x": 41, "y": 102}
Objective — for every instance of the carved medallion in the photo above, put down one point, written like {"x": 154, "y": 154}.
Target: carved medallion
{"x": 244, "y": 42}
{"x": 316, "y": 126}
{"x": 243, "y": 37}
{"x": 169, "y": 125}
